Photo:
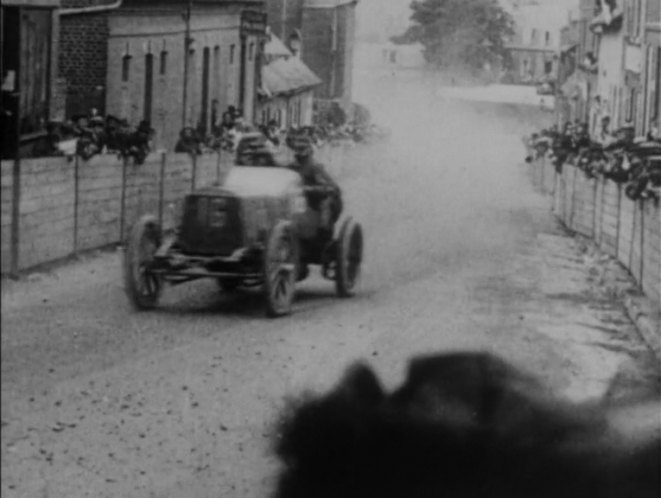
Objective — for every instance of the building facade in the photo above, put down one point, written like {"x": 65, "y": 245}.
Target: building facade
{"x": 174, "y": 63}
{"x": 536, "y": 41}
{"x": 29, "y": 59}
{"x": 152, "y": 75}
{"x": 323, "y": 31}
{"x": 83, "y": 46}
{"x": 287, "y": 92}
{"x": 616, "y": 60}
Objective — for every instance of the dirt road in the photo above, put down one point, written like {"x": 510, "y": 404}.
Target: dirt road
{"x": 101, "y": 401}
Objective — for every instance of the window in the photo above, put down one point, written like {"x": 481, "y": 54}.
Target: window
{"x": 654, "y": 83}
{"x": 251, "y": 51}
{"x": 547, "y": 39}
{"x": 548, "y": 67}
{"x": 232, "y": 50}
{"x": 631, "y": 106}
{"x": 215, "y": 72}
{"x": 633, "y": 15}
{"x": 126, "y": 68}
{"x": 164, "y": 63}
{"x": 533, "y": 37}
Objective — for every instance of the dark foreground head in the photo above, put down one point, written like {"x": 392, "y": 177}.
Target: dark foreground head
{"x": 464, "y": 425}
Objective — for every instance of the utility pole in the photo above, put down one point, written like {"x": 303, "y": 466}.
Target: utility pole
{"x": 187, "y": 42}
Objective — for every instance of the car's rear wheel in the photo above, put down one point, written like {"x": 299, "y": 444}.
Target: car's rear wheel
{"x": 348, "y": 258}
{"x": 142, "y": 286}
{"x": 280, "y": 263}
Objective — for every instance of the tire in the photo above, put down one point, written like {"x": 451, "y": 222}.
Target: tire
{"x": 142, "y": 287}
{"x": 280, "y": 263}
{"x": 348, "y": 258}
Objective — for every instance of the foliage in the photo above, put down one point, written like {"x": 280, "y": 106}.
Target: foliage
{"x": 468, "y": 32}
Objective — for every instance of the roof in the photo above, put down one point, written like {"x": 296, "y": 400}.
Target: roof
{"x": 287, "y": 75}
{"x": 275, "y": 47}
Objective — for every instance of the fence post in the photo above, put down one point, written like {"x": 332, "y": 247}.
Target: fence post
{"x": 617, "y": 225}
{"x": 573, "y": 199}
{"x": 218, "y": 166}
{"x": 122, "y": 214}
{"x": 632, "y": 243}
{"x": 76, "y": 201}
{"x": 15, "y": 216}
{"x": 194, "y": 172}
{"x": 642, "y": 241}
{"x": 542, "y": 180}
{"x": 602, "y": 182}
{"x": 595, "y": 186}
{"x": 161, "y": 189}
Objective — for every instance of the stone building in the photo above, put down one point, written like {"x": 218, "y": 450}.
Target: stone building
{"x": 617, "y": 60}
{"x": 324, "y": 33}
{"x": 286, "y": 94}
{"x": 174, "y": 63}
{"x": 577, "y": 67}
{"x": 536, "y": 41}
{"x": 650, "y": 116}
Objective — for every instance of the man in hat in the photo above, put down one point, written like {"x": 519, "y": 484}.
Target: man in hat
{"x": 315, "y": 175}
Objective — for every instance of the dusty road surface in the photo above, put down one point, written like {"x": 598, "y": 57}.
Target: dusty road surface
{"x": 101, "y": 401}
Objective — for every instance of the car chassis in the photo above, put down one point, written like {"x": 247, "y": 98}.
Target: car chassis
{"x": 277, "y": 261}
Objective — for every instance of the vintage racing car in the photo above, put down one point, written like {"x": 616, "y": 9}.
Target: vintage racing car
{"x": 256, "y": 229}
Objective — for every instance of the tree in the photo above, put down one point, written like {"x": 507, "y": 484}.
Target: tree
{"x": 466, "y": 32}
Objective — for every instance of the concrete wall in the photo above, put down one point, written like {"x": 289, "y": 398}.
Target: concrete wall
{"x": 69, "y": 206}
{"x": 598, "y": 208}
{"x": 6, "y": 183}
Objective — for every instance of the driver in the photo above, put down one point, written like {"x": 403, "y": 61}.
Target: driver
{"x": 315, "y": 175}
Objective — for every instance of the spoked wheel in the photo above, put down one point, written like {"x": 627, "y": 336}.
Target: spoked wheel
{"x": 280, "y": 262}
{"x": 142, "y": 286}
{"x": 348, "y": 258}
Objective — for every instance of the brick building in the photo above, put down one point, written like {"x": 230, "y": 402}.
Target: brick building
{"x": 150, "y": 59}
{"x": 326, "y": 31}
{"x": 82, "y": 64}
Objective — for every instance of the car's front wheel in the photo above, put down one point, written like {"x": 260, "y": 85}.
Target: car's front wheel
{"x": 280, "y": 263}
{"x": 142, "y": 286}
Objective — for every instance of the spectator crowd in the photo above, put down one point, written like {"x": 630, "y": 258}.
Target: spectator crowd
{"x": 87, "y": 135}
{"x": 614, "y": 154}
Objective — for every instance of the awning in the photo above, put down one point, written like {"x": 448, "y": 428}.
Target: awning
{"x": 567, "y": 47}
{"x": 287, "y": 75}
